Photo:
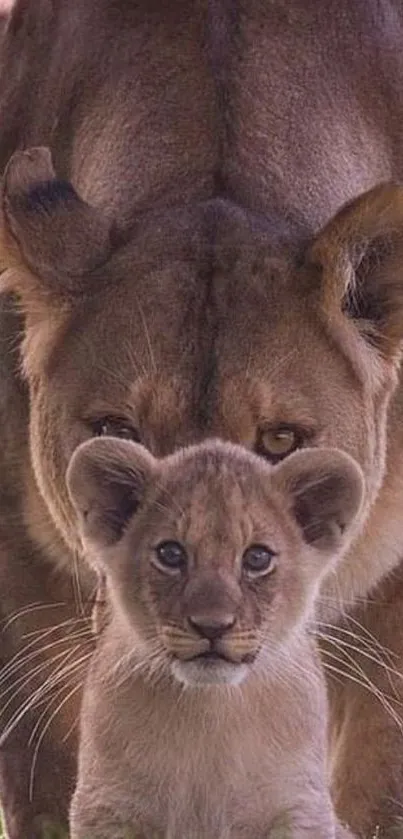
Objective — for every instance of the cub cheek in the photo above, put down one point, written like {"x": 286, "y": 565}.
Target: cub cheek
{"x": 259, "y": 600}
{"x": 288, "y": 610}
{"x": 273, "y": 611}
{"x": 164, "y": 596}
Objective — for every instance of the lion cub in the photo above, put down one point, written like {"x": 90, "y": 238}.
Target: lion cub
{"x": 204, "y": 714}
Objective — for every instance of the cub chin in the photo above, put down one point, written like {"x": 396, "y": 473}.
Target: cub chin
{"x": 204, "y": 713}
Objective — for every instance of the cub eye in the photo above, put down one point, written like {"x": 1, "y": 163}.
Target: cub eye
{"x": 258, "y": 561}
{"x": 277, "y": 442}
{"x": 114, "y": 427}
{"x": 171, "y": 556}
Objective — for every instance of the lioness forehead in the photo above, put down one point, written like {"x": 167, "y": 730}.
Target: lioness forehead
{"x": 202, "y": 334}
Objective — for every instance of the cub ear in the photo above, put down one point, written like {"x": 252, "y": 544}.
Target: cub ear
{"x": 325, "y": 488}
{"x": 360, "y": 257}
{"x": 49, "y": 235}
{"x": 107, "y": 480}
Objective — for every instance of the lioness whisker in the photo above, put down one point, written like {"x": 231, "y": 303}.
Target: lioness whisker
{"x": 371, "y": 643}
{"x": 54, "y": 680}
{"x": 26, "y": 610}
{"x": 41, "y": 692}
{"x": 23, "y": 658}
{"x": 62, "y": 625}
{"x": 352, "y": 663}
{"x": 26, "y": 678}
{"x": 38, "y": 696}
{"x": 66, "y": 699}
{"x": 19, "y": 684}
{"x": 357, "y": 644}
{"x": 139, "y": 368}
{"x": 361, "y": 679}
{"x": 146, "y": 334}
{"x": 40, "y": 635}
{"x": 367, "y": 633}
{"x": 70, "y": 730}
{"x": 345, "y": 645}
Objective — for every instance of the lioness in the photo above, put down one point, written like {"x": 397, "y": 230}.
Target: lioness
{"x": 182, "y": 270}
{"x": 212, "y": 560}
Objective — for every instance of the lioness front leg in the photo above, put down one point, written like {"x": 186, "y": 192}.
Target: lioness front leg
{"x": 343, "y": 832}
{"x": 317, "y": 823}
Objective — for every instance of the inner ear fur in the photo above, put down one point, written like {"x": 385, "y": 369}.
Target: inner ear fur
{"x": 107, "y": 480}
{"x": 325, "y": 489}
{"x": 360, "y": 257}
{"x": 50, "y": 235}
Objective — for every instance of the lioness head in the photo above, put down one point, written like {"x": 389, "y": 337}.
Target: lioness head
{"x": 212, "y": 556}
{"x": 204, "y": 322}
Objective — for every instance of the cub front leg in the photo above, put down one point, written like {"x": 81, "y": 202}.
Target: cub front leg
{"x": 94, "y": 829}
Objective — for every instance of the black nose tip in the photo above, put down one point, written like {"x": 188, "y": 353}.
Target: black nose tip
{"x": 211, "y": 629}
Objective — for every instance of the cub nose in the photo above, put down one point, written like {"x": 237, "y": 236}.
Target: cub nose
{"x": 206, "y": 627}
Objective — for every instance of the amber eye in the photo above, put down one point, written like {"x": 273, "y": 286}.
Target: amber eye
{"x": 258, "y": 561}
{"x": 114, "y": 427}
{"x": 171, "y": 556}
{"x": 277, "y": 442}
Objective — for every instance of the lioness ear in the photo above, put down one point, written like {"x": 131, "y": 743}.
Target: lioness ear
{"x": 106, "y": 480}
{"x": 49, "y": 235}
{"x": 325, "y": 488}
{"x": 360, "y": 255}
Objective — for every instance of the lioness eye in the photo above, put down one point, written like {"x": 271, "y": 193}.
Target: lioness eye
{"x": 277, "y": 442}
{"x": 114, "y": 427}
{"x": 171, "y": 556}
{"x": 258, "y": 560}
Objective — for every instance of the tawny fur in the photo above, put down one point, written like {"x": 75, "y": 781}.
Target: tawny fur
{"x": 205, "y": 280}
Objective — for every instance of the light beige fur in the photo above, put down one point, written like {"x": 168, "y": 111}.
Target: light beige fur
{"x": 176, "y": 743}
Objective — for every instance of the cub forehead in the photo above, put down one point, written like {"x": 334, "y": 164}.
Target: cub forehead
{"x": 216, "y": 499}
{"x": 221, "y": 483}
{"x": 215, "y": 465}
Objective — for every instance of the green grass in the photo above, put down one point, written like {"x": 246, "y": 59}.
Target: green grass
{"x": 49, "y": 833}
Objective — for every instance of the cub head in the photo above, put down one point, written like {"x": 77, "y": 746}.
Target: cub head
{"x": 212, "y": 557}
{"x": 205, "y": 321}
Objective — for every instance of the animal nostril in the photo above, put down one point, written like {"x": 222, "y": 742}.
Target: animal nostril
{"x": 211, "y": 629}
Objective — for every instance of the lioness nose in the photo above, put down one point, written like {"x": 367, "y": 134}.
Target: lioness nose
{"x": 211, "y": 629}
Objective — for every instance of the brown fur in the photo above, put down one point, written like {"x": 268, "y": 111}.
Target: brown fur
{"x": 186, "y": 288}
{"x": 244, "y": 734}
